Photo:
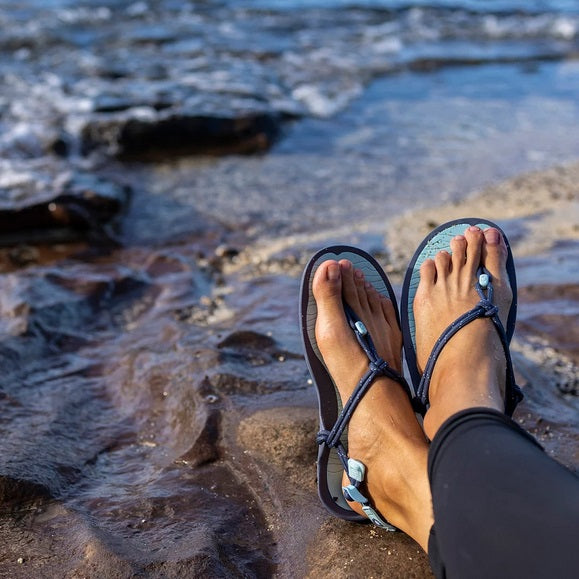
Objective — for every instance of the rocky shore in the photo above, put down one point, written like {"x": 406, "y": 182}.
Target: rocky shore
{"x": 157, "y": 415}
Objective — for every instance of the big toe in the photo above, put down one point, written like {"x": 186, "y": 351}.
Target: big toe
{"x": 494, "y": 254}
{"x": 327, "y": 283}
{"x": 327, "y": 290}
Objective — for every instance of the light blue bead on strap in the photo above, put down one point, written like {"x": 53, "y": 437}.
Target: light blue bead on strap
{"x": 361, "y": 328}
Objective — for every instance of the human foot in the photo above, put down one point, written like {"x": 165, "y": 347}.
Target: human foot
{"x": 383, "y": 432}
{"x": 471, "y": 368}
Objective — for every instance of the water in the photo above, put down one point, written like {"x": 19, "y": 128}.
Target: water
{"x": 142, "y": 382}
{"x": 454, "y": 86}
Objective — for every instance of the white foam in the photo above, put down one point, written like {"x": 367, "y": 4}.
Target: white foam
{"x": 564, "y": 28}
{"x": 322, "y": 104}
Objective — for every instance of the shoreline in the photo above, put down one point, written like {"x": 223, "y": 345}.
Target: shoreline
{"x": 547, "y": 200}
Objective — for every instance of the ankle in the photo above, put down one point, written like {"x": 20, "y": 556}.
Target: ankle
{"x": 460, "y": 387}
{"x": 467, "y": 376}
{"x": 413, "y": 501}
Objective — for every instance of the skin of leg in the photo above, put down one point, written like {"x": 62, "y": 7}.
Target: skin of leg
{"x": 383, "y": 432}
{"x": 470, "y": 370}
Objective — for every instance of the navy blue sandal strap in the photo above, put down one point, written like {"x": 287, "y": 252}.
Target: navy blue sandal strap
{"x": 484, "y": 309}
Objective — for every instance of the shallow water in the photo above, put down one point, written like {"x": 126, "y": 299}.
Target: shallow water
{"x": 156, "y": 414}
{"x": 409, "y": 141}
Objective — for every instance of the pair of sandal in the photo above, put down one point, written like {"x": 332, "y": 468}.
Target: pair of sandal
{"x": 333, "y": 459}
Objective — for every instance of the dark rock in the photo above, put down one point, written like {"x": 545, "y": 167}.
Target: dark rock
{"x": 249, "y": 349}
{"x": 59, "y": 206}
{"x": 15, "y": 493}
{"x": 247, "y": 339}
{"x": 150, "y": 139}
{"x": 61, "y": 146}
{"x": 205, "y": 449}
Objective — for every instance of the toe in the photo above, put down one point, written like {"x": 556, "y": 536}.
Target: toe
{"x": 374, "y": 299}
{"x": 327, "y": 280}
{"x": 362, "y": 289}
{"x": 494, "y": 254}
{"x": 349, "y": 289}
{"x": 428, "y": 272}
{"x": 442, "y": 262}
{"x": 458, "y": 248}
{"x": 474, "y": 240}
{"x": 388, "y": 311}
{"x": 327, "y": 290}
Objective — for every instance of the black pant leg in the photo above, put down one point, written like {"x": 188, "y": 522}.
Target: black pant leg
{"x": 502, "y": 507}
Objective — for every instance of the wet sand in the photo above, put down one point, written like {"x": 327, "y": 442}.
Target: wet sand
{"x": 163, "y": 423}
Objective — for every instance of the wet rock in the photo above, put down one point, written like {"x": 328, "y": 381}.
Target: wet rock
{"x": 248, "y": 339}
{"x": 253, "y": 349}
{"x": 223, "y": 255}
{"x": 62, "y": 308}
{"x": 40, "y": 202}
{"x": 180, "y": 133}
{"x": 249, "y": 348}
{"x": 205, "y": 449}
{"x": 15, "y": 493}
{"x": 226, "y": 252}
{"x": 34, "y": 545}
{"x": 284, "y": 437}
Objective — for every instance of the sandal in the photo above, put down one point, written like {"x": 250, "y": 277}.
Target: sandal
{"x": 332, "y": 438}
{"x": 438, "y": 240}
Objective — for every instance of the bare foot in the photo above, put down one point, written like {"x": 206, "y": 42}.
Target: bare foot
{"x": 383, "y": 432}
{"x": 471, "y": 368}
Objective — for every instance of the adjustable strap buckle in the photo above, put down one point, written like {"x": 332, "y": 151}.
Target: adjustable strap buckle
{"x": 356, "y": 473}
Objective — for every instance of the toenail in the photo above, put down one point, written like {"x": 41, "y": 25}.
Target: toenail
{"x": 334, "y": 272}
{"x": 492, "y": 236}
{"x": 345, "y": 265}
{"x": 359, "y": 274}
{"x": 459, "y": 238}
{"x": 474, "y": 228}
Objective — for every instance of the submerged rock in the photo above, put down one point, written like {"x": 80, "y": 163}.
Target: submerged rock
{"x": 51, "y": 202}
{"x": 15, "y": 493}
